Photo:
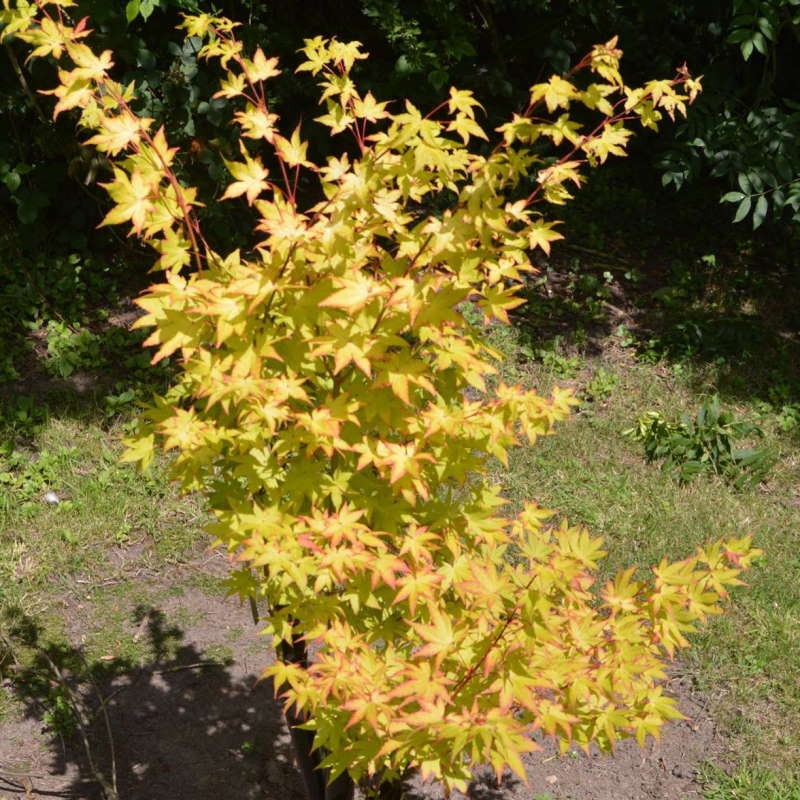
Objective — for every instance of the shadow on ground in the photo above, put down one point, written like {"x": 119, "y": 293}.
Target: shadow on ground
{"x": 176, "y": 727}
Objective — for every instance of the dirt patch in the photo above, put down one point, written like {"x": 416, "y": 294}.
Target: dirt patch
{"x": 192, "y": 722}
{"x": 195, "y": 722}
{"x": 662, "y": 769}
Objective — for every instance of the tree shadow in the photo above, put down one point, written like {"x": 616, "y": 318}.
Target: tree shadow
{"x": 485, "y": 785}
{"x": 178, "y": 726}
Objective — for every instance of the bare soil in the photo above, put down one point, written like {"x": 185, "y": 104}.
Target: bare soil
{"x": 185, "y": 728}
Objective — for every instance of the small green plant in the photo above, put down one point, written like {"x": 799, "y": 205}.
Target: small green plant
{"x": 624, "y": 336}
{"x": 24, "y": 478}
{"x": 703, "y": 443}
{"x": 60, "y": 716}
{"x": 247, "y": 747}
{"x": 787, "y": 417}
{"x": 601, "y": 386}
{"x": 782, "y": 406}
{"x": 120, "y": 401}
{"x": 21, "y": 418}
{"x": 70, "y": 348}
{"x": 554, "y": 360}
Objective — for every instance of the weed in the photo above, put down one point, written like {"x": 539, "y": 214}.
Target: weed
{"x": 120, "y": 403}
{"x": 59, "y": 716}
{"x": 25, "y": 477}
{"x": 624, "y": 336}
{"x": 782, "y": 405}
{"x": 247, "y": 747}
{"x": 21, "y": 418}
{"x": 601, "y": 386}
{"x": 219, "y": 654}
{"x": 70, "y": 348}
{"x": 556, "y": 362}
{"x": 787, "y": 417}
{"x": 704, "y": 443}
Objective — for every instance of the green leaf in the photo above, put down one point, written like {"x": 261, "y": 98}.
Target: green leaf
{"x": 403, "y": 66}
{"x": 760, "y": 212}
{"x": 739, "y": 35}
{"x": 732, "y": 197}
{"x": 438, "y": 78}
{"x": 146, "y": 8}
{"x": 766, "y": 28}
{"x": 28, "y": 211}
{"x": 132, "y": 10}
{"x": 743, "y": 210}
{"x": 12, "y": 181}
{"x": 744, "y": 183}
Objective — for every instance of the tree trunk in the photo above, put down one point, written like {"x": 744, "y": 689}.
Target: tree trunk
{"x": 308, "y": 759}
{"x": 385, "y": 789}
{"x": 391, "y": 790}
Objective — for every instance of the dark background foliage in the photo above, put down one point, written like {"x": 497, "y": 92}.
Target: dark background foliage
{"x": 739, "y": 144}
{"x": 742, "y": 130}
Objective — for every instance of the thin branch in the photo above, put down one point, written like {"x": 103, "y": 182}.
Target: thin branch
{"x": 479, "y": 662}
{"x": 82, "y": 724}
{"x": 23, "y": 81}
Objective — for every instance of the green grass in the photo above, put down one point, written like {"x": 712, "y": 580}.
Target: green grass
{"x": 102, "y": 506}
{"x": 749, "y": 784}
{"x": 78, "y": 564}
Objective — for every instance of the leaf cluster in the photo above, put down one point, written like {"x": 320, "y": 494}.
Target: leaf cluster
{"x": 703, "y": 443}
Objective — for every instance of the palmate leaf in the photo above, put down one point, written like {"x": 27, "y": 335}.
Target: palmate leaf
{"x": 251, "y": 178}
{"x": 119, "y": 133}
{"x": 133, "y": 197}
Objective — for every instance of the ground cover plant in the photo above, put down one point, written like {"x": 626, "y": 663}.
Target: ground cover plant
{"x": 702, "y": 442}
{"x": 364, "y": 525}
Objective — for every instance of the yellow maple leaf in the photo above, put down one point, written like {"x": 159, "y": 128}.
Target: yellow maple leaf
{"x": 557, "y": 93}
{"x": 355, "y": 294}
{"x": 260, "y": 68}
{"x": 251, "y": 178}
{"x": 117, "y": 133}
{"x": 293, "y": 151}
{"x": 133, "y": 198}
{"x": 257, "y": 123}
{"x": 438, "y": 637}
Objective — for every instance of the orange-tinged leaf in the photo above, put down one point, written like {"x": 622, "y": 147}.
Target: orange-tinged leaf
{"x": 438, "y": 636}
{"x": 119, "y": 132}
{"x": 260, "y": 68}
{"x": 133, "y": 197}
{"x": 355, "y": 294}
{"x": 293, "y": 151}
{"x": 251, "y": 178}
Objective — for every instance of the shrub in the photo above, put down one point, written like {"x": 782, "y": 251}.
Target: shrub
{"x": 703, "y": 443}
{"x": 331, "y": 403}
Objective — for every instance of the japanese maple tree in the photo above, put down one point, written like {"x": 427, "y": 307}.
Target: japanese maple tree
{"x": 340, "y": 413}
